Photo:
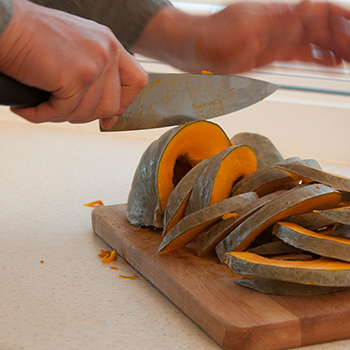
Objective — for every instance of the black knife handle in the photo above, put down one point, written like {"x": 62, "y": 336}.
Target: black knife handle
{"x": 16, "y": 94}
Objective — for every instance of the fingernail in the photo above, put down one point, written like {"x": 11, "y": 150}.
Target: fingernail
{"x": 109, "y": 122}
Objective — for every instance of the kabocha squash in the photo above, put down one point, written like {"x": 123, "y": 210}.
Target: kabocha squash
{"x": 194, "y": 224}
{"x": 308, "y": 174}
{"x": 274, "y": 248}
{"x": 177, "y": 203}
{"x": 311, "y": 221}
{"x": 263, "y": 182}
{"x": 215, "y": 183}
{"x": 165, "y": 162}
{"x": 324, "y": 245}
{"x": 270, "y": 179}
{"x": 320, "y": 272}
{"x": 264, "y": 149}
{"x": 268, "y": 286}
{"x": 295, "y": 201}
{"x": 341, "y": 215}
{"x": 207, "y": 241}
{"x": 340, "y": 230}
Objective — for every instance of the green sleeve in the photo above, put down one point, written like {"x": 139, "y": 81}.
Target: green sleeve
{"x": 126, "y": 18}
{"x": 6, "y": 12}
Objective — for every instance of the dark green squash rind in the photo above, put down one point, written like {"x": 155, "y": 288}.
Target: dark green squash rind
{"x": 312, "y": 221}
{"x": 264, "y": 149}
{"x": 275, "y": 287}
{"x": 340, "y": 215}
{"x": 317, "y": 175}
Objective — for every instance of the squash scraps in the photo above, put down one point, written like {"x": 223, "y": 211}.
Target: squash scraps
{"x": 98, "y": 203}
{"x": 230, "y": 215}
{"x": 128, "y": 277}
{"x": 108, "y": 258}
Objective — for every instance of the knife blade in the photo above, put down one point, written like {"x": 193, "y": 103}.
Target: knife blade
{"x": 168, "y": 99}
{"x": 171, "y": 99}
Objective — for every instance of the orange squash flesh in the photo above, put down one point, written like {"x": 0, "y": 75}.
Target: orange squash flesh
{"x": 215, "y": 184}
{"x": 318, "y": 243}
{"x": 187, "y": 148}
{"x": 239, "y": 163}
{"x": 322, "y": 263}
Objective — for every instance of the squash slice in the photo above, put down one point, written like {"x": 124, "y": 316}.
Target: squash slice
{"x": 177, "y": 203}
{"x": 309, "y": 174}
{"x": 340, "y": 215}
{"x": 270, "y": 179}
{"x": 263, "y": 182}
{"x": 207, "y": 241}
{"x": 215, "y": 183}
{"x": 296, "y": 201}
{"x": 320, "y": 272}
{"x": 268, "y": 286}
{"x": 312, "y": 221}
{"x": 274, "y": 248}
{"x": 264, "y": 149}
{"x": 194, "y": 224}
{"x": 165, "y": 162}
{"x": 324, "y": 245}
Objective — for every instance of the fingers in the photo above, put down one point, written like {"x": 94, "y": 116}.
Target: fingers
{"x": 133, "y": 78}
{"x": 327, "y": 26}
{"x": 106, "y": 97}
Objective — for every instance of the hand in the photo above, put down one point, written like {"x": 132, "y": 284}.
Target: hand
{"x": 248, "y": 35}
{"x": 81, "y": 62}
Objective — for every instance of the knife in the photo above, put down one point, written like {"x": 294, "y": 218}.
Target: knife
{"x": 168, "y": 99}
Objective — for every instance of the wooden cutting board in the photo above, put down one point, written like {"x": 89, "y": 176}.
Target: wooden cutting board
{"x": 236, "y": 317}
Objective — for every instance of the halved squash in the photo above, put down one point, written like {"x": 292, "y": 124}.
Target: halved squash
{"x": 165, "y": 162}
{"x": 215, "y": 183}
{"x": 324, "y": 245}
{"x": 295, "y": 201}
{"x": 320, "y": 272}
{"x": 194, "y": 224}
{"x": 262, "y": 146}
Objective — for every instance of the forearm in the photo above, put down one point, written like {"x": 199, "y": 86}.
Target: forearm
{"x": 126, "y": 18}
{"x": 6, "y": 13}
{"x": 170, "y": 38}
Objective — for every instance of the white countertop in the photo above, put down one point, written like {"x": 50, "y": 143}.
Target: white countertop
{"x": 73, "y": 300}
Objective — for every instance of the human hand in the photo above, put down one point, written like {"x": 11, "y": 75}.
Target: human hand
{"x": 248, "y": 35}
{"x": 87, "y": 70}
